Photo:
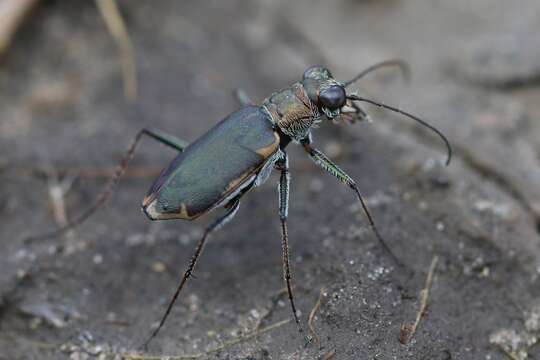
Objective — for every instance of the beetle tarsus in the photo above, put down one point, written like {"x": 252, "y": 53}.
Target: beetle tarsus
{"x": 287, "y": 270}
{"x": 374, "y": 227}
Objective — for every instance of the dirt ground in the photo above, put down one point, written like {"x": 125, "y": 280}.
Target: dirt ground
{"x": 99, "y": 290}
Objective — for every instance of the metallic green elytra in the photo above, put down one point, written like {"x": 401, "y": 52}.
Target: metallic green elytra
{"x": 213, "y": 167}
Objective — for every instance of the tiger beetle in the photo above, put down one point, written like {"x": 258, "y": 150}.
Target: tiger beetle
{"x": 239, "y": 153}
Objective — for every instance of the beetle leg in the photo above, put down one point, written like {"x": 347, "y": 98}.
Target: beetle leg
{"x": 242, "y": 97}
{"x": 283, "y": 188}
{"x": 164, "y": 138}
{"x": 160, "y": 136}
{"x": 326, "y": 164}
{"x": 216, "y": 225}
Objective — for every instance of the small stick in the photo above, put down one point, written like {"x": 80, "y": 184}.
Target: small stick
{"x": 407, "y": 331}
{"x": 312, "y": 317}
{"x": 274, "y": 298}
{"x": 203, "y": 354}
{"x": 113, "y": 19}
{"x": 329, "y": 355}
{"x": 43, "y": 345}
{"x": 12, "y": 14}
{"x": 57, "y": 193}
{"x": 86, "y": 172}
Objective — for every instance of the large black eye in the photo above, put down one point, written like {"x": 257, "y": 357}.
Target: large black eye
{"x": 333, "y": 98}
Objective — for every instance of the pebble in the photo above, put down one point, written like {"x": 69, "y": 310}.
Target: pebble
{"x": 159, "y": 267}
{"x": 97, "y": 259}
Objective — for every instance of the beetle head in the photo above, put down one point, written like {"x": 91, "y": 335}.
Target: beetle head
{"x": 324, "y": 91}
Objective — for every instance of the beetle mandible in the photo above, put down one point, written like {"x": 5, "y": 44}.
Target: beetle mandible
{"x": 251, "y": 143}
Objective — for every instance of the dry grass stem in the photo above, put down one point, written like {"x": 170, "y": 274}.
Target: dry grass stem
{"x": 12, "y": 14}
{"x": 311, "y": 317}
{"x": 221, "y": 347}
{"x": 407, "y": 331}
{"x": 86, "y": 172}
{"x": 329, "y": 355}
{"x": 57, "y": 193}
{"x": 113, "y": 19}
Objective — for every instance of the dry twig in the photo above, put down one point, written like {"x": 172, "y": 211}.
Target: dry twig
{"x": 221, "y": 347}
{"x": 129, "y": 356}
{"x": 407, "y": 331}
{"x": 113, "y": 19}
{"x": 57, "y": 192}
{"x": 329, "y": 355}
{"x": 312, "y": 317}
{"x": 86, "y": 172}
{"x": 12, "y": 13}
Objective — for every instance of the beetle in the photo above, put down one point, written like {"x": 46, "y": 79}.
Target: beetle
{"x": 239, "y": 153}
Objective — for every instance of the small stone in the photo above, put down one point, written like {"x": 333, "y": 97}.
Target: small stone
{"x": 21, "y": 274}
{"x": 97, "y": 259}
{"x": 485, "y": 272}
{"x": 255, "y": 313}
{"x": 440, "y": 226}
{"x": 79, "y": 356}
{"x": 159, "y": 267}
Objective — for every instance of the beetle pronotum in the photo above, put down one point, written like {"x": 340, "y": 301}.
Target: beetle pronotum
{"x": 251, "y": 142}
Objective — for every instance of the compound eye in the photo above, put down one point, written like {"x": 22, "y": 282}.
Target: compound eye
{"x": 333, "y": 98}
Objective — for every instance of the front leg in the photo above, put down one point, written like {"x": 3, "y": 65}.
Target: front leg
{"x": 326, "y": 164}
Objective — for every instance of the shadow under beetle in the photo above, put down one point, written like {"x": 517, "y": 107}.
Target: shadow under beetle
{"x": 239, "y": 153}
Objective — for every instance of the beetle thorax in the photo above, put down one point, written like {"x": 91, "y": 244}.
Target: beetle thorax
{"x": 292, "y": 111}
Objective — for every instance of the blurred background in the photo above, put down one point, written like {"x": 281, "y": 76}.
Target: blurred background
{"x": 78, "y": 79}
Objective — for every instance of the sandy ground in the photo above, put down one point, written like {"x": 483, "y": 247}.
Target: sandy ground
{"x": 100, "y": 290}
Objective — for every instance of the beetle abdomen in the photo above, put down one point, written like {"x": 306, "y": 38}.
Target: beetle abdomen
{"x": 213, "y": 167}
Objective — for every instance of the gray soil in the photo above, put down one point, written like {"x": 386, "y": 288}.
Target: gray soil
{"x": 101, "y": 289}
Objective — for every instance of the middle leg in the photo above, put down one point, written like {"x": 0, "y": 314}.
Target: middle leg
{"x": 283, "y": 188}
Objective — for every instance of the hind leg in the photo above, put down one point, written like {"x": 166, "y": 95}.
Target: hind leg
{"x": 228, "y": 216}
